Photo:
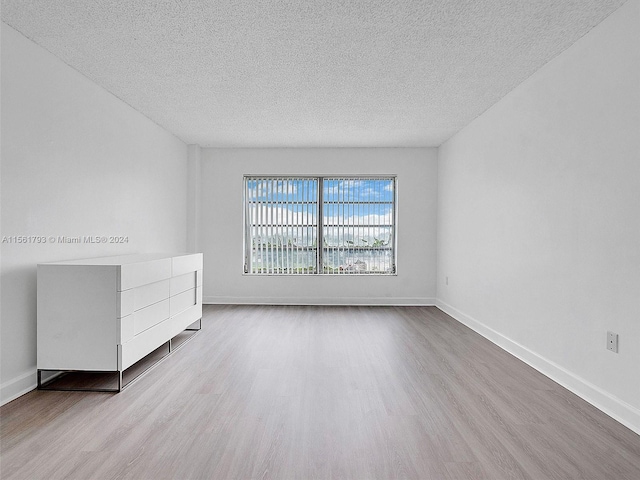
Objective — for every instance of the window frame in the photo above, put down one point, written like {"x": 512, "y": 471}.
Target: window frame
{"x": 319, "y": 224}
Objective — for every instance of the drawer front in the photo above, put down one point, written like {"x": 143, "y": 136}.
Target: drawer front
{"x": 125, "y": 329}
{"x": 150, "y": 316}
{"x": 183, "y": 283}
{"x": 142, "y": 345}
{"x": 183, "y": 300}
{"x": 137, "y": 274}
{"x": 149, "y": 294}
{"x": 181, "y": 321}
{"x": 186, "y": 263}
{"x": 154, "y": 337}
{"x": 124, "y": 303}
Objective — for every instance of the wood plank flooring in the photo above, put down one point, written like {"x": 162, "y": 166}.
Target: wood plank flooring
{"x": 321, "y": 392}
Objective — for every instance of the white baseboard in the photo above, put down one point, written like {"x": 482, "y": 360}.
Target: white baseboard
{"x": 18, "y": 386}
{"x": 626, "y": 414}
{"x": 359, "y": 301}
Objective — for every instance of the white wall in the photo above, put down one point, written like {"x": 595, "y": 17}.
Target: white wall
{"x": 194, "y": 197}
{"x": 75, "y": 161}
{"x": 539, "y": 218}
{"x": 222, "y": 229}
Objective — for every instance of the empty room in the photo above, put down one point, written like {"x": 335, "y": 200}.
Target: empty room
{"x": 364, "y": 239}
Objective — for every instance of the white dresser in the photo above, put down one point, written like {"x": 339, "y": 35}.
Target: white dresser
{"x": 105, "y": 314}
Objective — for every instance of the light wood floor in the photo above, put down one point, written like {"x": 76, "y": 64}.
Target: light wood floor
{"x": 322, "y": 392}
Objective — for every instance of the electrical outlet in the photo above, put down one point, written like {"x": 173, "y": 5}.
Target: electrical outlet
{"x": 612, "y": 342}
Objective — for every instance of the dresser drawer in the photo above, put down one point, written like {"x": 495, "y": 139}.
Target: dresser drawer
{"x": 149, "y": 294}
{"x": 183, "y": 300}
{"x": 125, "y": 329}
{"x": 141, "y": 273}
{"x": 124, "y": 303}
{"x": 150, "y": 316}
{"x": 186, "y": 263}
{"x": 184, "y": 282}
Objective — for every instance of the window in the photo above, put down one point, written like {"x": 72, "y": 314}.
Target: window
{"x": 352, "y": 218}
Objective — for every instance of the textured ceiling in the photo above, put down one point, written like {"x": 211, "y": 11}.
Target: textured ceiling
{"x": 269, "y": 73}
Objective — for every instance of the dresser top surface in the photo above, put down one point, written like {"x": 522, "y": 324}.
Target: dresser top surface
{"x": 121, "y": 259}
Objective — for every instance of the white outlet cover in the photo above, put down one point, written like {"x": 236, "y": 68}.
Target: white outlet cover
{"x": 612, "y": 341}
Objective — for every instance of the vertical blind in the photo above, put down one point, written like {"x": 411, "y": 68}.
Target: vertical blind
{"x": 326, "y": 225}
{"x": 281, "y": 232}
